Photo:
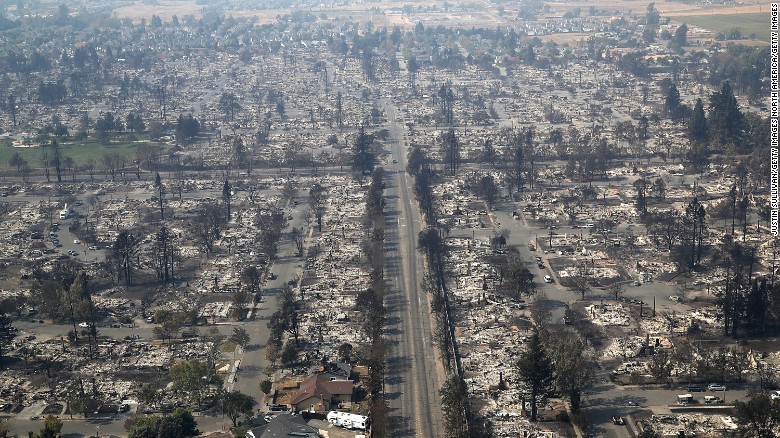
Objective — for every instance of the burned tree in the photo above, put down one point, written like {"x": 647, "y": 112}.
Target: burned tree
{"x": 160, "y": 194}
{"x": 227, "y": 194}
{"x": 450, "y": 150}
{"x": 164, "y": 250}
{"x": 317, "y": 199}
{"x": 207, "y": 226}
{"x": 123, "y": 254}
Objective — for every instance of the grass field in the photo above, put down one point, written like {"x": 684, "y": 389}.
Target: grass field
{"x": 80, "y": 152}
{"x": 746, "y": 23}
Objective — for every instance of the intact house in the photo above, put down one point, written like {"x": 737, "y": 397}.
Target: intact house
{"x": 284, "y": 425}
{"x": 321, "y": 393}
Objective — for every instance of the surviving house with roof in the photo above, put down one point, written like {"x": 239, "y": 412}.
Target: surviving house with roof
{"x": 321, "y": 393}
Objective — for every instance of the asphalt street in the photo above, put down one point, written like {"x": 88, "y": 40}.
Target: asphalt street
{"x": 606, "y": 399}
{"x": 412, "y": 381}
{"x": 253, "y": 365}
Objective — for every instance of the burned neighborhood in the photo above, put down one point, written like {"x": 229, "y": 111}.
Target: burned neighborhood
{"x": 387, "y": 219}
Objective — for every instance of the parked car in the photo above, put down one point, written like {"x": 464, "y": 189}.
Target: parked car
{"x": 548, "y": 279}
{"x": 712, "y": 399}
{"x": 716, "y": 387}
{"x": 695, "y": 388}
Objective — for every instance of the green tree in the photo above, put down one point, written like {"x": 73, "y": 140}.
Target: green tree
{"x": 680, "y": 38}
{"x": 454, "y": 403}
{"x": 266, "y": 386}
{"x": 184, "y": 422}
{"x": 168, "y": 324}
{"x": 536, "y": 370}
{"x": 574, "y": 368}
{"x": 519, "y": 279}
{"x": 379, "y": 410}
{"x": 187, "y": 127}
{"x": 416, "y": 161}
{"x": 363, "y": 155}
{"x": 672, "y": 100}
{"x": 652, "y": 17}
{"x": 236, "y": 404}
{"x": 648, "y": 35}
{"x": 189, "y": 377}
{"x": 660, "y": 367}
{"x": 289, "y": 354}
{"x": 759, "y": 415}
{"x": 148, "y": 394}
{"x": 135, "y": 123}
{"x": 725, "y": 118}
{"x": 697, "y": 125}
{"x": 179, "y": 424}
{"x": 240, "y": 337}
{"x": 52, "y": 427}
{"x": 488, "y": 189}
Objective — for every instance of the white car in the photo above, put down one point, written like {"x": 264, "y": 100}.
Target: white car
{"x": 548, "y": 279}
{"x": 84, "y": 325}
{"x": 77, "y": 241}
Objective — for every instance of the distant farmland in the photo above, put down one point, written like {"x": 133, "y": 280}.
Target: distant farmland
{"x": 746, "y": 23}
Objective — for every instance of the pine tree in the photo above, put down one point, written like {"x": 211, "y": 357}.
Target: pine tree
{"x": 536, "y": 369}
{"x": 454, "y": 402}
{"x": 363, "y": 156}
{"x": 697, "y": 126}
{"x": 672, "y": 101}
{"x": 725, "y": 118}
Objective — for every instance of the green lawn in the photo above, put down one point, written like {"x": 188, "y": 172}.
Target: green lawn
{"x": 80, "y": 152}
{"x": 746, "y": 23}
